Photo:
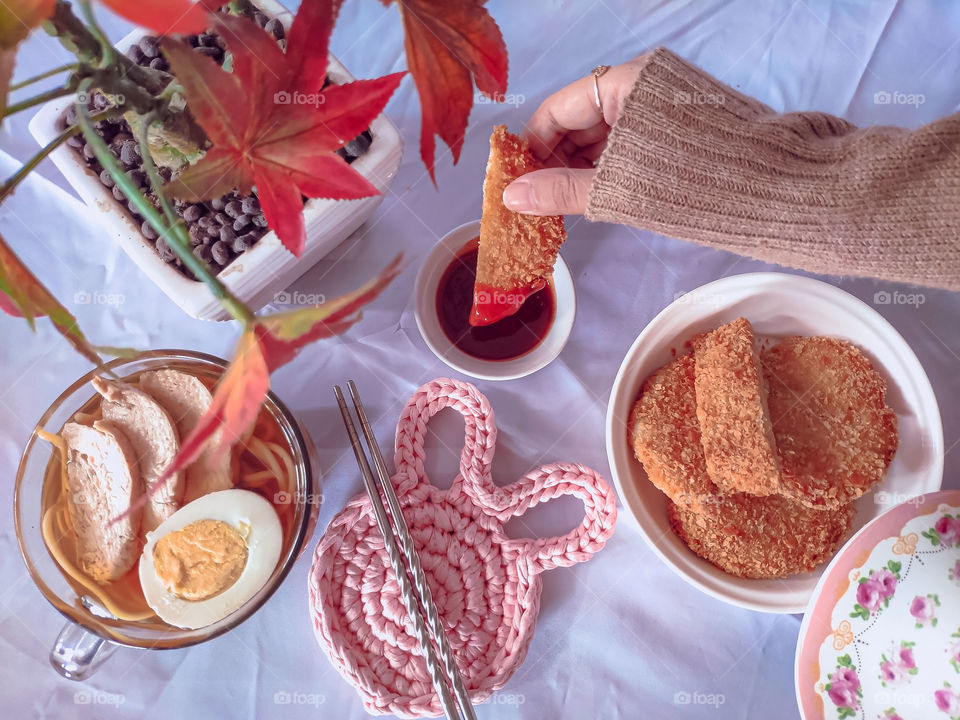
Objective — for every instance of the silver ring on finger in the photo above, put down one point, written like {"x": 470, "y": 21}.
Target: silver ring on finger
{"x": 597, "y": 72}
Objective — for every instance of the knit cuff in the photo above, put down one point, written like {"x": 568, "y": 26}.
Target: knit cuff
{"x": 671, "y": 103}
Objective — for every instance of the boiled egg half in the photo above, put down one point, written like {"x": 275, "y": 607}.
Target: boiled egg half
{"x": 210, "y": 557}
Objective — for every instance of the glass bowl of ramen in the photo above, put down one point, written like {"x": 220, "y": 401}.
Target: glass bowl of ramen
{"x": 273, "y": 466}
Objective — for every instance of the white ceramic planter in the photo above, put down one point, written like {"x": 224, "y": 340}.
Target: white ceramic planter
{"x": 259, "y": 273}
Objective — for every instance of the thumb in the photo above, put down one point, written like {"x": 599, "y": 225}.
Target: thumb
{"x": 554, "y": 191}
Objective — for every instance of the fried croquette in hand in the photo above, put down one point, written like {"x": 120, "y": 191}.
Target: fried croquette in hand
{"x": 517, "y": 252}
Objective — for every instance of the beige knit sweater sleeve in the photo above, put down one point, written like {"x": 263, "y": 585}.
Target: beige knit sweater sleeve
{"x": 697, "y": 160}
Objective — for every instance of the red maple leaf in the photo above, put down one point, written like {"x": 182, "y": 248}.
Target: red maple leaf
{"x": 271, "y": 124}
{"x": 268, "y": 343}
{"x": 167, "y": 16}
{"x": 449, "y": 46}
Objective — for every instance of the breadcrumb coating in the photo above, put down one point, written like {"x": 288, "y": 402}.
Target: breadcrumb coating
{"x": 738, "y": 441}
{"x": 516, "y": 251}
{"x": 762, "y": 537}
{"x": 665, "y": 435}
{"x": 835, "y": 433}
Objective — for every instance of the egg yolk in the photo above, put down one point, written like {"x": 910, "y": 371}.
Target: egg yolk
{"x": 200, "y": 560}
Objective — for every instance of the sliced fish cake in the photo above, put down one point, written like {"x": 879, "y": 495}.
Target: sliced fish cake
{"x": 155, "y": 441}
{"x": 102, "y": 483}
{"x": 186, "y": 399}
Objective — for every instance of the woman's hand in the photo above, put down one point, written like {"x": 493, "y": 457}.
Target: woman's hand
{"x": 568, "y": 133}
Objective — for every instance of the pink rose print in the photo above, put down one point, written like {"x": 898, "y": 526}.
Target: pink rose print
{"x": 890, "y": 672}
{"x": 890, "y": 714}
{"x": 948, "y": 701}
{"x": 875, "y": 590}
{"x": 844, "y": 688}
{"x": 843, "y": 696}
{"x": 948, "y": 528}
{"x": 846, "y": 676}
{"x": 954, "y": 572}
{"x": 887, "y": 581}
{"x": 945, "y": 531}
{"x": 923, "y": 608}
{"x": 900, "y": 665}
{"x": 869, "y": 595}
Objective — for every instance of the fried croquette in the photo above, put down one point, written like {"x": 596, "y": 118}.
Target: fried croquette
{"x": 762, "y": 537}
{"x": 738, "y": 441}
{"x": 665, "y": 435}
{"x": 835, "y": 433}
{"x": 517, "y": 252}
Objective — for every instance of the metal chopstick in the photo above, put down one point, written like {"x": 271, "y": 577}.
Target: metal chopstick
{"x": 413, "y": 562}
{"x": 396, "y": 561}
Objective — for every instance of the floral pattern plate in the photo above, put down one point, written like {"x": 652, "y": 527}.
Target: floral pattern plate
{"x": 881, "y": 637}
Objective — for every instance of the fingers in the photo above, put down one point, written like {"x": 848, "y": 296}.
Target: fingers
{"x": 574, "y": 108}
{"x": 578, "y": 144}
{"x": 570, "y": 108}
{"x": 554, "y": 191}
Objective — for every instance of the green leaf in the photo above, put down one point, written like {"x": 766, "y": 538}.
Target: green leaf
{"x": 114, "y": 351}
{"x": 894, "y": 567}
{"x": 176, "y": 143}
{"x": 845, "y": 661}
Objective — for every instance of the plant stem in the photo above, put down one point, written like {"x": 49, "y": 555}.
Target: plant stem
{"x": 156, "y": 182}
{"x": 43, "y": 76}
{"x": 106, "y": 47}
{"x": 173, "y": 234}
{"x": 10, "y": 185}
{"x": 37, "y": 100}
{"x": 137, "y": 84}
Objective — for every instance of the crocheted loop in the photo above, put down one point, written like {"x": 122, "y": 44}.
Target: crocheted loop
{"x": 552, "y": 481}
{"x": 480, "y": 431}
{"x": 475, "y": 479}
{"x": 485, "y": 584}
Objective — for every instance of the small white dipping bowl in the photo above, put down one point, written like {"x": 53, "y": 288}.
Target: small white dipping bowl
{"x": 539, "y": 356}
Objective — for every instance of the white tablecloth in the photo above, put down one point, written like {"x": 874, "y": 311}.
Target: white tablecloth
{"x": 620, "y": 636}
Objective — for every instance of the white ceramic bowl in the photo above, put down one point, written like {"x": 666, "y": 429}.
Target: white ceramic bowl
{"x": 426, "y": 313}
{"x": 778, "y": 305}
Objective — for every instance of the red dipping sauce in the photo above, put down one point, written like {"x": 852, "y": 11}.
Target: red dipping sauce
{"x": 511, "y": 337}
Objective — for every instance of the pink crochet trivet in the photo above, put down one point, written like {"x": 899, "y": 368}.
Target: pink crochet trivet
{"x": 485, "y": 585}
